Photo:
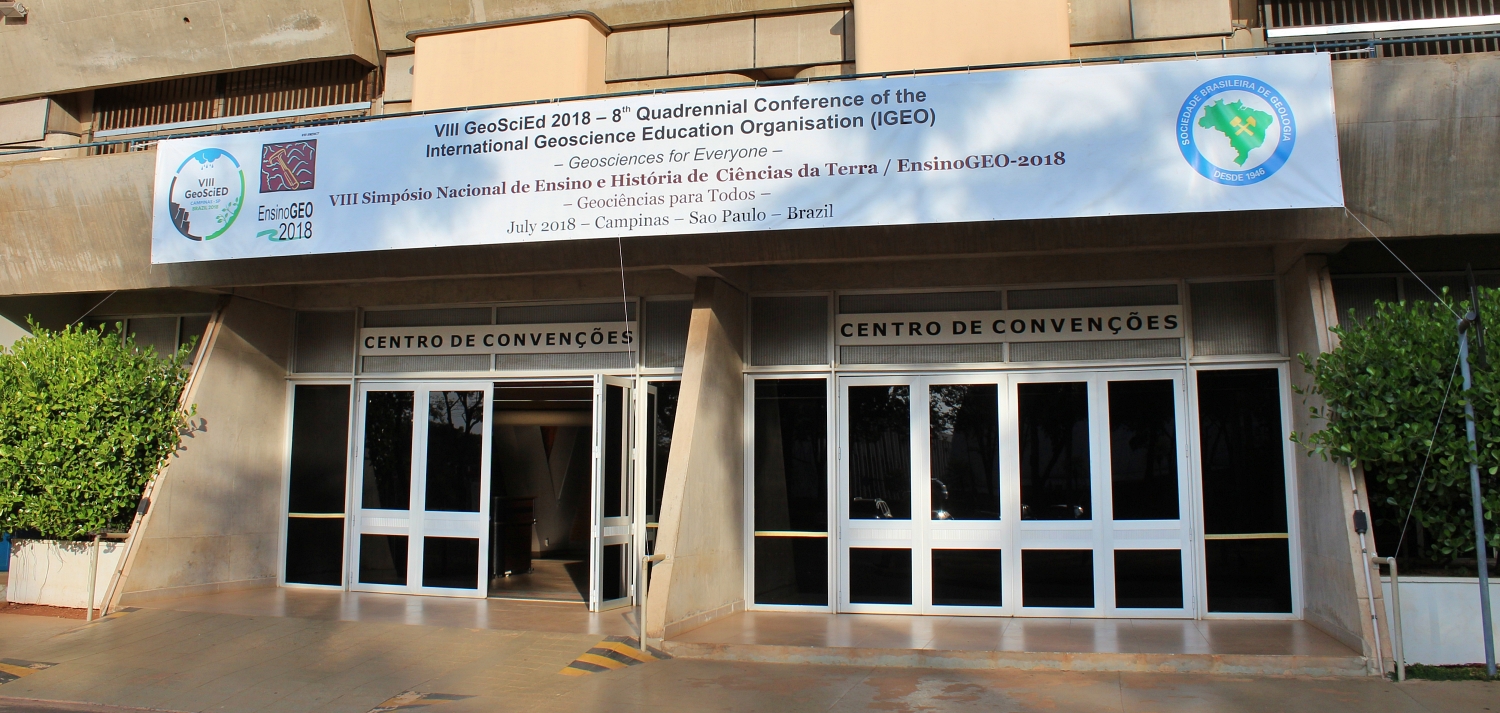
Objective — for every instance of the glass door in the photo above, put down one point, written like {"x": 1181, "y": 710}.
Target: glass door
{"x": 921, "y": 496}
{"x": 1100, "y": 463}
{"x": 611, "y": 570}
{"x": 422, "y": 488}
{"x": 1041, "y": 494}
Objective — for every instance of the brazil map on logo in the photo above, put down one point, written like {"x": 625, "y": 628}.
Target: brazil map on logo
{"x": 1245, "y": 127}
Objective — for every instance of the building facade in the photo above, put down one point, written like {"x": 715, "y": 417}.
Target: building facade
{"x": 741, "y": 404}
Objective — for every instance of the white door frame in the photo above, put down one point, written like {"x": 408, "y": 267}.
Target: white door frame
{"x": 617, "y": 530}
{"x": 416, "y": 522}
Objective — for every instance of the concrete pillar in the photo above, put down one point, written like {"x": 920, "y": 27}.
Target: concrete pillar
{"x": 216, "y": 516}
{"x": 702, "y": 529}
{"x": 1335, "y": 598}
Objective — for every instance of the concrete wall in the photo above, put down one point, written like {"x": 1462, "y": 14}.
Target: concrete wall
{"x": 537, "y": 60}
{"x": 894, "y": 35}
{"x": 67, "y": 45}
{"x": 1334, "y": 596}
{"x": 703, "y": 502}
{"x": 395, "y": 18}
{"x": 216, "y": 518}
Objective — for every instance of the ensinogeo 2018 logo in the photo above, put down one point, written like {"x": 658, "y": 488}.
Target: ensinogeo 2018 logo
{"x": 206, "y": 194}
{"x": 1236, "y": 130}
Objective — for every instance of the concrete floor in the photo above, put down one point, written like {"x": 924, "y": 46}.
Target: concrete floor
{"x": 197, "y": 661}
{"x": 562, "y": 580}
{"x": 322, "y": 604}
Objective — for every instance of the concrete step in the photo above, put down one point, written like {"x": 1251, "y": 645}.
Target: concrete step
{"x": 1232, "y": 664}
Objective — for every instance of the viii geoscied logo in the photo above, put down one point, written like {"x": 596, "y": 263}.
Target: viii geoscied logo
{"x": 290, "y": 166}
{"x": 1236, "y": 130}
{"x": 206, "y": 194}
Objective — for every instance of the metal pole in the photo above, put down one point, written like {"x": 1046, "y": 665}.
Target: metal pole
{"x": 1398, "y": 649}
{"x": 93, "y": 574}
{"x": 1474, "y": 492}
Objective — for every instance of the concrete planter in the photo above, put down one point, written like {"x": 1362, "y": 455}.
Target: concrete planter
{"x": 1440, "y": 621}
{"x": 57, "y": 573}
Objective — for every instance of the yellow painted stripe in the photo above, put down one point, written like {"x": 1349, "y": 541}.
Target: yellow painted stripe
{"x": 18, "y": 671}
{"x": 627, "y": 650}
{"x": 598, "y": 660}
{"x": 569, "y": 671}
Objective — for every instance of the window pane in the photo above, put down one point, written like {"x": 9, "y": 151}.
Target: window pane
{"x": 1054, "y": 422}
{"x": 964, "y": 429}
{"x": 615, "y": 579}
{"x": 387, "y": 476}
{"x": 1248, "y": 576}
{"x": 455, "y": 449}
{"x": 315, "y": 550}
{"x": 1148, "y": 579}
{"x": 791, "y": 455}
{"x": 451, "y": 562}
{"x": 791, "y": 570}
{"x": 880, "y": 452}
{"x": 614, "y": 463}
{"x": 1244, "y": 481}
{"x": 966, "y": 578}
{"x": 1057, "y": 578}
{"x": 1143, "y": 450}
{"x": 879, "y": 576}
{"x": 663, "y": 407}
{"x": 320, "y": 447}
{"x": 382, "y": 559}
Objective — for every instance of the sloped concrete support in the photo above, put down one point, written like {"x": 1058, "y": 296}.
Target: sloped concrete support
{"x": 1335, "y": 597}
{"x": 703, "y": 504}
{"x": 216, "y": 518}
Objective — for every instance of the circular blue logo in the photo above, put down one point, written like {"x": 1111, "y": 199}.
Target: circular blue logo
{"x": 1236, "y": 130}
{"x": 206, "y": 194}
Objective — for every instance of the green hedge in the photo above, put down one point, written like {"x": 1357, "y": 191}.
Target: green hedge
{"x": 1383, "y": 386}
{"x": 85, "y": 419}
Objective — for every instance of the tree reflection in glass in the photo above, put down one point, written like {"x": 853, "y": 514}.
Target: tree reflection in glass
{"x": 964, "y": 430}
{"x": 455, "y": 446}
{"x": 880, "y": 452}
{"x": 387, "y": 444}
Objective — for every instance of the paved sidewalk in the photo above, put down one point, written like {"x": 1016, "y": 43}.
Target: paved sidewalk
{"x": 202, "y": 661}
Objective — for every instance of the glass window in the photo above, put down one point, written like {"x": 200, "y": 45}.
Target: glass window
{"x": 1148, "y": 579}
{"x": 964, "y": 430}
{"x": 450, "y": 562}
{"x": 614, "y": 441}
{"x": 382, "y": 559}
{"x": 791, "y": 455}
{"x": 1248, "y": 575}
{"x": 320, "y": 447}
{"x": 662, "y": 403}
{"x": 966, "y": 578}
{"x": 1054, "y": 423}
{"x": 1057, "y": 578}
{"x": 315, "y": 550}
{"x": 879, "y": 576}
{"x": 880, "y": 453}
{"x": 455, "y": 449}
{"x": 791, "y": 570}
{"x": 1244, "y": 477}
{"x": 388, "y": 441}
{"x": 1143, "y": 449}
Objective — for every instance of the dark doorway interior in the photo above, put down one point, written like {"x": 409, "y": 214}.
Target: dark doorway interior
{"x": 540, "y": 508}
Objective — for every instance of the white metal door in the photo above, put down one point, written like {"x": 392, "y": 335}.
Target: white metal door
{"x": 421, "y": 488}
{"x": 1102, "y": 509}
{"x": 611, "y": 541}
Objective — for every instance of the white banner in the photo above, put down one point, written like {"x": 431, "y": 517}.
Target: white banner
{"x": 499, "y": 339}
{"x": 1248, "y": 133}
{"x": 1088, "y": 324}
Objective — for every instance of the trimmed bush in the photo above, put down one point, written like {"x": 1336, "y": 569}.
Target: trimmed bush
{"x": 1383, "y": 386}
{"x": 86, "y": 418}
